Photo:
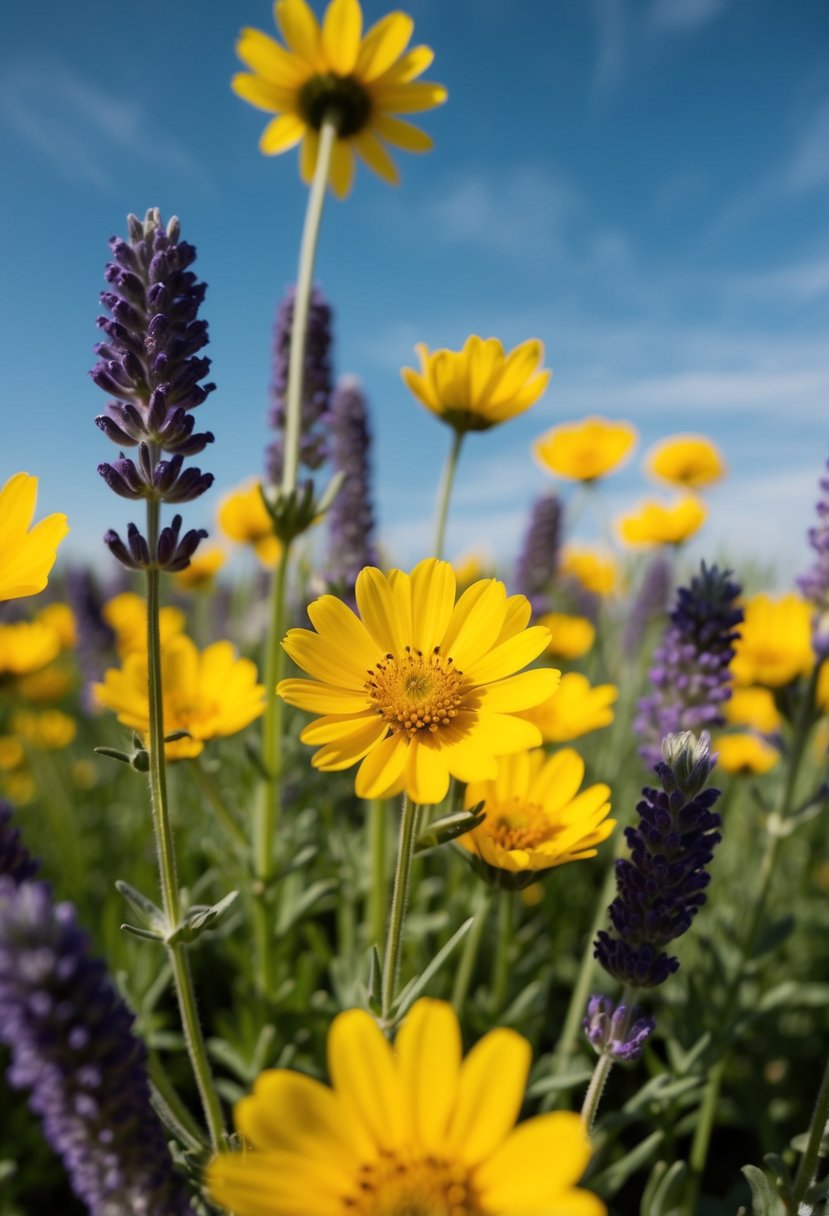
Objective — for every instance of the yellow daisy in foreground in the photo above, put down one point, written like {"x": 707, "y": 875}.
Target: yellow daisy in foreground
{"x": 536, "y": 817}
{"x": 585, "y": 450}
{"x": 476, "y": 388}
{"x": 686, "y": 460}
{"x": 594, "y": 569}
{"x": 363, "y": 82}
{"x": 745, "y": 754}
{"x": 418, "y": 687}
{"x": 775, "y": 642}
{"x": 210, "y": 694}
{"x": 570, "y": 636}
{"x": 574, "y": 709}
{"x": 27, "y": 554}
{"x": 404, "y": 1131}
{"x": 242, "y": 517}
{"x": 656, "y": 523}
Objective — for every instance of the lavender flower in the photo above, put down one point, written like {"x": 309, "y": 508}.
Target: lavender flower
{"x": 316, "y": 384}
{"x": 661, "y": 887}
{"x": 616, "y": 1030}
{"x": 815, "y": 582}
{"x": 690, "y": 673}
{"x": 651, "y": 601}
{"x": 72, "y": 1044}
{"x": 16, "y": 863}
{"x": 351, "y": 516}
{"x": 538, "y": 562}
{"x": 150, "y": 365}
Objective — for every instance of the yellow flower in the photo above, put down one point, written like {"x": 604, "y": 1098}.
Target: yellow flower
{"x": 204, "y": 565}
{"x": 26, "y": 554}
{"x": 686, "y": 460}
{"x": 745, "y": 753}
{"x": 210, "y": 694}
{"x": 595, "y": 570}
{"x": 574, "y": 709}
{"x": 570, "y": 636}
{"x": 535, "y": 816}
{"x": 775, "y": 642}
{"x": 126, "y": 615}
{"x": 61, "y": 618}
{"x": 585, "y": 450}
{"x": 753, "y": 707}
{"x": 12, "y": 753}
{"x": 19, "y": 786}
{"x": 415, "y": 1129}
{"x": 472, "y": 566}
{"x": 476, "y": 388}
{"x": 26, "y": 646}
{"x": 243, "y": 518}
{"x": 50, "y": 730}
{"x": 51, "y": 683}
{"x": 364, "y": 82}
{"x": 655, "y": 523}
{"x": 822, "y": 691}
{"x": 421, "y": 686}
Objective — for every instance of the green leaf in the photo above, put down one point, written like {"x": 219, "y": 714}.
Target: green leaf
{"x": 147, "y": 934}
{"x": 449, "y": 827}
{"x": 149, "y": 912}
{"x": 414, "y": 988}
{"x": 664, "y": 1190}
{"x": 764, "y": 1199}
{"x": 200, "y": 918}
{"x": 609, "y": 1181}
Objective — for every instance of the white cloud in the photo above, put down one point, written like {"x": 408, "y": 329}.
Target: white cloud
{"x": 799, "y": 281}
{"x": 677, "y": 16}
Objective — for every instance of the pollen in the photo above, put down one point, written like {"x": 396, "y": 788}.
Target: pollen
{"x": 399, "y": 1184}
{"x": 519, "y": 825}
{"x": 416, "y": 693}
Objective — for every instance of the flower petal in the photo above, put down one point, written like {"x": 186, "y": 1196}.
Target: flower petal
{"x": 383, "y": 45}
{"x": 401, "y": 134}
{"x": 428, "y": 1049}
{"x": 362, "y": 1071}
{"x": 542, "y": 1158}
{"x": 266, "y": 58}
{"x": 298, "y": 1114}
{"x": 427, "y": 773}
{"x": 344, "y": 752}
{"x": 281, "y": 134}
{"x": 261, "y": 93}
{"x": 410, "y": 98}
{"x": 376, "y": 602}
{"x": 376, "y": 156}
{"x": 326, "y": 660}
{"x": 490, "y": 1093}
{"x": 433, "y": 600}
{"x": 511, "y": 656}
{"x": 476, "y": 622}
{"x": 519, "y": 692}
{"x": 382, "y": 768}
{"x": 299, "y": 28}
{"x": 341, "y": 171}
{"x": 320, "y": 698}
{"x": 342, "y": 28}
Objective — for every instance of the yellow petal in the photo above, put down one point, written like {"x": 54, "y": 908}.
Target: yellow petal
{"x": 281, "y": 134}
{"x": 376, "y": 156}
{"x": 308, "y": 155}
{"x": 410, "y": 98}
{"x": 428, "y": 1049}
{"x": 427, "y": 773}
{"x": 337, "y": 728}
{"x": 274, "y": 1184}
{"x": 542, "y": 1158}
{"x": 476, "y": 622}
{"x": 322, "y": 698}
{"x": 262, "y": 93}
{"x": 384, "y": 43}
{"x": 266, "y": 58}
{"x": 559, "y": 780}
{"x": 510, "y": 656}
{"x": 376, "y": 602}
{"x": 341, "y": 171}
{"x": 17, "y": 505}
{"x": 519, "y": 692}
{"x": 325, "y": 660}
{"x": 413, "y": 64}
{"x": 341, "y": 31}
{"x": 362, "y": 1071}
{"x": 490, "y": 1093}
{"x": 299, "y": 28}
{"x": 381, "y": 768}
{"x": 335, "y": 621}
{"x": 295, "y": 1113}
{"x": 344, "y": 752}
{"x": 433, "y": 600}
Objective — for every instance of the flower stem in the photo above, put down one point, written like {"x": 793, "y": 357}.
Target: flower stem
{"x": 377, "y": 813}
{"x": 399, "y": 902}
{"x": 165, "y": 848}
{"x": 469, "y": 955}
{"x": 603, "y": 1066}
{"x": 211, "y": 791}
{"x": 445, "y": 492}
{"x": 817, "y": 1131}
{"x": 500, "y": 975}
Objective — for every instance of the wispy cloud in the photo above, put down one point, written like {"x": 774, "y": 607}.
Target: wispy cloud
{"x": 678, "y": 16}
{"x": 808, "y": 166}
{"x": 611, "y": 29}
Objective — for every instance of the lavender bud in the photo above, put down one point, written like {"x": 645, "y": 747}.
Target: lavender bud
{"x": 651, "y": 602}
{"x": 617, "y": 1031}
{"x": 316, "y": 383}
{"x": 537, "y": 565}
{"x": 351, "y": 515}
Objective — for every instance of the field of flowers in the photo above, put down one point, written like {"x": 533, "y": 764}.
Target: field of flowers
{"x": 333, "y": 889}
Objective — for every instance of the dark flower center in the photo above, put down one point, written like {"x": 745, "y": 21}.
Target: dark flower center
{"x": 343, "y": 96}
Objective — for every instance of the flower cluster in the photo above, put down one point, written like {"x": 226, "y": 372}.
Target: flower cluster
{"x": 617, "y": 1030}
{"x": 150, "y": 364}
{"x": 351, "y": 515}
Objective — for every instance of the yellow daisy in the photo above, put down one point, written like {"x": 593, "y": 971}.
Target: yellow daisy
{"x": 205, "y": 564}
{"x": 745, "y": 754}
{"x": 535, "y": 816}
{"x": 574, "y": 709}
{"x": 594, "y": 569}
{"x": 775, "y": 642}
{"x": 126, "y": 615}
{"x": 570, "y": 636}
{"x": 27, "y": 554}
{"x": 656, "y": 523}
{"x": 753, "y": 707}
{"x": 242, "y": 517}
{"x": 51, "y": 729}
{"x": 61, "y": 618}
{"x": 686, "y": 460}
{"x": 418, "y": 687}
{"x": 413, "y": 1129}
{"x": 26, "y": 646}
{"x": 362, "y": 81}
{"x": 476, "y": 388}
{"x": 585, "y": 450}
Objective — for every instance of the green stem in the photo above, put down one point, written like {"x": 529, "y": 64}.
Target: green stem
{"x": 817, "y": 1131}
{"x": 500, "y": 974}
{"x": 604, "y": 1064}
{"x": 377, "y": 814}
{"x": 445, "y": 491}
{"x": 211, "y": 791}
{"x": 171, "y": 902}
{"x": 399, "y": 902}
{"x": 469, "y": 955}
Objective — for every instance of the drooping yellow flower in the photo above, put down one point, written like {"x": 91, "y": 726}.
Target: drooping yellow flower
{"x": 126, "y": 615}
{"x": 570, "y": 636}
{"x": 410, "y": 1131}
{"x": 585, "y": 450}
{"x": 691, "y": 461}
{"x": 27, "y": 554}
{"x": 536, "y": 817}
{"x": 594, "y": 569}
{"x": 51, "y": 729}
{"x": 26, "y": 646}
{"x": 476, "y": 388}
{"x": 753, "y": 707}
{"x": 242, "y": 517}
{"x": 574, "y": 709}
{"x": 205, "y": 564}
{"x": 656, "y": 523}
{"x": 333, "y": 70}
{"x": 418, "y": 687}
{"x": 210, "y": 693}
{"x": 745, "y": 753}
{"x": 775, "y": 642}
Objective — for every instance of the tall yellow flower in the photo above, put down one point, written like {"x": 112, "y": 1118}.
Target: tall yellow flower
{"x": 775, "y": 642}
{"x": 536, "y": 818}
{"x": 479, "y": 386}
{"x": 242, "y": 517}
{"x": 655, "y": 523}
{"x": 363, "y": 81}
{"x": 585, "y": 450}
{"x": 414, "y": 1129}
{"x": 210, "y": 694}
{"x": 574, "y": 709}
{"x": 594, "y": 569}
{"x": 691, "y": 461}
{"x": 418, "y": 686}
{"x": 27, "y": 554}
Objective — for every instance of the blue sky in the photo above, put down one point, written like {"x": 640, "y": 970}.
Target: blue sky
{"x": 642, "y": 184}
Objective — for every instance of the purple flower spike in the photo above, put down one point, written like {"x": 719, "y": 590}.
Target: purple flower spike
{"x": 72, "y": 1044}
{"x": 651, "y": 602}
{"x": 351, "y": 515}
{"x": 815, "y": 582}
{"x": 538, "y": 563}
{"x": 16, "y": 863}
{"x": 316, "y": 384}
{"x": 617, "y": 1031}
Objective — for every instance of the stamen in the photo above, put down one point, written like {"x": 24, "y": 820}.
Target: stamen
{"x": 399, "y": 1184}
{"x": 416, "y": 693}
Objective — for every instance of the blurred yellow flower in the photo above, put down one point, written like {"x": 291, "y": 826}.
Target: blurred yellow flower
{"x": 404, "y": 1131}
{"x": 333, "y": 70}
{"x": 12, "y": 753}
{"x": 471, "y": 566}
{"x": 126, "y": 615}
{"x": 210, "y": 693}
{"x": 574, "y": 709}
{"x": 50, "y": 683}
{"x": 27, "y": 554}
{"x": 50, "y": 729}
{"x": 536, "y": 817}
{"x": 570, "y": 636}
{"x": 418, "y": 687}
{"x": 205, "y": 564}
{"x": 242, "y": 517}
{"x": 476, "y": 388}
{"x": 686, "y": 460}
{"x": 822, "y": 692}
{"x": 656, "y": 523}
{"x": 753, "y": 707}
{"x": 19, "y": 786}
{"x": 585, "y": 450}
{"x": 26, "y": 646}
{"x": 775, "y": 642}
{"x": 744, "y": 753}
{"x": 61, "y": 618}
{"x": 594, "y": 569}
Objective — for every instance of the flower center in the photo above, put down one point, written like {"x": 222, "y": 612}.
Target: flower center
{"x": 517, "y": 825}
{"x": 403, "y": 1185}
{"x": 416, "y": 692}
{"x": 343, "y": 95}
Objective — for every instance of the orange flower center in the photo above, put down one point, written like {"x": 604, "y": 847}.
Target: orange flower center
{"x": 416, "y": 692}
{"x": 517, "y": 825}
{"x": 403, "y": 1185}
